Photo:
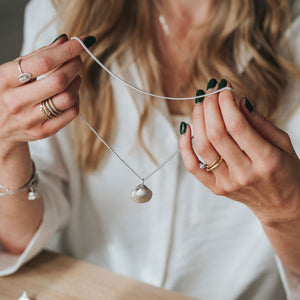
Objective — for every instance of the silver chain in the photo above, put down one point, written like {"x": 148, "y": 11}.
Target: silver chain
{"x": 5, "y": 189}
{"x": 142, "y": 92}
{"x": 143, "y": 179}
{"x": 138, "y": 89}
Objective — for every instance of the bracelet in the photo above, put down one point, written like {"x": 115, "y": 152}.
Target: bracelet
{"x": 31, "y": 186}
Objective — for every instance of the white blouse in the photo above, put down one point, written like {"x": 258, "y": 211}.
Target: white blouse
{"x": 185, "y": 239}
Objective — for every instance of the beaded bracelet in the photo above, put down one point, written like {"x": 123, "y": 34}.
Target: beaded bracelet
{"x": 31, "y": 186}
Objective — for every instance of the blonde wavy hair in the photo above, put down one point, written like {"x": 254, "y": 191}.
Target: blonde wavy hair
{"x": 259, "y": 26}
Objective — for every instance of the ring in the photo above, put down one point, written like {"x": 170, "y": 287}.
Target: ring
{"x": 23, "y": 77}
{"x": 214, "y": 164}
{"x": 48, "y": 108}
{"x": 52, "y": 108}
{"x": 203, "y": 165}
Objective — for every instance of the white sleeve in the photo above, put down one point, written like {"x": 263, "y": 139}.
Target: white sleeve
{"x": 39, "y": 25}
{"x": 290, "y": 282}
{"x": 53, "y": 186}
{"x": 292, "y": 95}
{"x": 46, "y": 154}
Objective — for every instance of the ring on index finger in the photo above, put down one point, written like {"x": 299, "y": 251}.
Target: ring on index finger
{"x": 24, "y": 76}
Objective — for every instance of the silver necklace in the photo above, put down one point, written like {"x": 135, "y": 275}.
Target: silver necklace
{"x": 141, "y": 193}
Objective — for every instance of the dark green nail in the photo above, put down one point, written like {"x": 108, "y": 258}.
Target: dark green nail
{"x": 199, "y": 93}
{"x": 248, "y": 105}
{"x": 89, "y": 41}
{"x": 211, "y": 84}
{"x": 62, "y": 35}
{"x": 182, "y": 128}
{"x": 222, "y": 83}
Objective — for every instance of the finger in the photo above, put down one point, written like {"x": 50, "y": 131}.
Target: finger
{"x": 211, "y": 155}
{"x": 62, "y": 102}
{"x": 44, "y": 61}
{"x": 51, "y": 127}
{"x": 67, "y": 99}
{"x": 54, "y": 84}
{"x": 267, "y": 130}
{"x": 59, "y": 40}
{"x": 242, "y": 133}
{"x": 189, "y": 157}
{"x": 8, "y": 84}
{"x": 202, "y": 145}
{"x": 218, "y": 135}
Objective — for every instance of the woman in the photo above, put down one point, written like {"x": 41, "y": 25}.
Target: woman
{"x": 189, "y": 237}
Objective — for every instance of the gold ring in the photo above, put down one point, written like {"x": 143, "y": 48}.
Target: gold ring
{"x": 52, "y": 108}
{"x": 214, "y": 164}
{"x": 45, "y": 111}
{"x": 48, "y": 108}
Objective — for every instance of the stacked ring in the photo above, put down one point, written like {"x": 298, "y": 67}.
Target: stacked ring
{"x": 48, "y": 108}
{"x": 213, "y": 165}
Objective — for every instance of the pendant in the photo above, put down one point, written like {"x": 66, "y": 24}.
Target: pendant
{"x": 33, "y": 194}
{"x": 141, "y": 194}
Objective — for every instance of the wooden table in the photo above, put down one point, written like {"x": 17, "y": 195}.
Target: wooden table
{"x": 51, "y": 276}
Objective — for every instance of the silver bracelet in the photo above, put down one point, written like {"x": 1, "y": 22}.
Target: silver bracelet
{"x": 31, "y": 186}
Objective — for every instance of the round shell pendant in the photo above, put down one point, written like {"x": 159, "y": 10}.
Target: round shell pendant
{"x": 141, "y": 194}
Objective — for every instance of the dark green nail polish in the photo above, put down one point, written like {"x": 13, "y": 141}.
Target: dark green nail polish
{"x": 211, "y": 84}
{"x": 248, "y": 105}
{"x": 222, "y": 83}
{"x": 89, "y": 41}
{"x": 182, "y": 128}
{"x": 62, "y": 35}
{"x": 199, "y": 93}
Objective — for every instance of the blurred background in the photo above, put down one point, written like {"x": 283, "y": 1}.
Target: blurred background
{"x": 11, "y": 28}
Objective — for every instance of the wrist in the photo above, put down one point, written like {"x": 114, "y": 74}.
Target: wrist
{"x": 12, "y": 149}
{"x": 15, "y": 164}
{"x": 283, "y": 216}
{"x": 30, "y": 186}
{"x": 291, "y": 226}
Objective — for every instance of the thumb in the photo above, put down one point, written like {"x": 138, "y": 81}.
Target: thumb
{"x": 265, "y": 128}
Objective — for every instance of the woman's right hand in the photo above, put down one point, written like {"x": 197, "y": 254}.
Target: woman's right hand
{"x": 21, "y": 119}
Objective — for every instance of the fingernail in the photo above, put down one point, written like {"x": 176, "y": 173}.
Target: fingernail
{"x": 211, "y": 84}
{"x": 89, "y": 41}
{"x": 62, "y": 35}
{"x": 199, "y": 93}
{"x": 222, "y": 83}
{"x": 182, "y": 128}
{"x": 249, "y": 105}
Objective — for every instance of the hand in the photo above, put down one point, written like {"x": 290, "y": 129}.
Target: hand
{"x": 21, "y": 119}
{"x": 260, "y": 167}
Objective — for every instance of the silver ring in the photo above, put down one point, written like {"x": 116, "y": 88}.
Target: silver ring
{"x": 23, "y": 77}
{"x": 203, "y": 166}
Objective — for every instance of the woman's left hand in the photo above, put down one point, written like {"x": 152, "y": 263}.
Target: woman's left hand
{"x": 260, "y": 166}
